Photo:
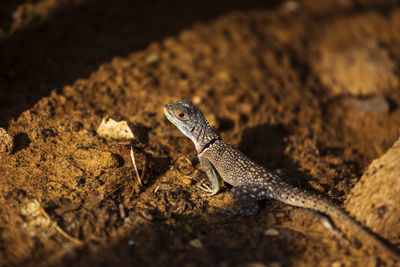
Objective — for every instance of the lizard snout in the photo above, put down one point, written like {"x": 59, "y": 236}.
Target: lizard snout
{"x": 168, "y": 106}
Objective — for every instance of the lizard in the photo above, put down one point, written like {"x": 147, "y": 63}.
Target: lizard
{"x": 251, "y": 182}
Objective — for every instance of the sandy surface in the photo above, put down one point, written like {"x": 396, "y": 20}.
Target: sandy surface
{"x": 309, "y": 88}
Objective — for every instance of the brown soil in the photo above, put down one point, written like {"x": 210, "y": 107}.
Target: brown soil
{"x": 305, "y": 87}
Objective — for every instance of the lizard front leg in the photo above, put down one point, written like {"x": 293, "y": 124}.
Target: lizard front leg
{"x": 212, "y": 176}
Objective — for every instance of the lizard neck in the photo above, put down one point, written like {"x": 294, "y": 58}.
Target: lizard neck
{"x": 202, "y": 136}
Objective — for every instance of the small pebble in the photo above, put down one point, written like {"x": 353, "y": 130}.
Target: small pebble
{"x": 271, "y": 232}
{"x": 196, "y": 243}
{"x": 186, "y": 181}
{"x": 196, "y": 99}
{"x": 131, "y": 242}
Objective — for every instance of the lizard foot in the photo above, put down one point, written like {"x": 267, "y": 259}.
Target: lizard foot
{"x": 325, "y": 221}
{"x": 328, "y": 224}
{"x": 205, "y": 187}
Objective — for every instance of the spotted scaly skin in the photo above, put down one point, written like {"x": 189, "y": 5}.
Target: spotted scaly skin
{"x": 250, "y": 181}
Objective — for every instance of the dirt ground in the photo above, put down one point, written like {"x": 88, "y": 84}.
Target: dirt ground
{"x": 309, "y": 87}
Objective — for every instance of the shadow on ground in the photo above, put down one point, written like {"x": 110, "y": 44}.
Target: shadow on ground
{"x": 265, "y": 145}
{"x": 237, "y": 240}
{"x": 76, "y": 39}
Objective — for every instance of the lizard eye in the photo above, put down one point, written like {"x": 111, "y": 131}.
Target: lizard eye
{"x": 181, "y": 115}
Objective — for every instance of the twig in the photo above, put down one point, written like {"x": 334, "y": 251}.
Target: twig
{"x": 61, "y": 231}
{"x": 134, "y": 165}
{"x": 144, "y": 169}
{"x": 155, "y": 191}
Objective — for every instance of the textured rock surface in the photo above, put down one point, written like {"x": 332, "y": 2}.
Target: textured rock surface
{"x": 375, "y": 200}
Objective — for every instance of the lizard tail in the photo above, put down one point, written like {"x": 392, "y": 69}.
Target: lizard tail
{"x": 296, "y": 197}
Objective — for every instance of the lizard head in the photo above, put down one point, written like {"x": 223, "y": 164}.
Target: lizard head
{"x": 187, "y": 118}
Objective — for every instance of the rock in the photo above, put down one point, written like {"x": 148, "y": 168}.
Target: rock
{"x": 360, "y": 70}
{"x": 6, "y": 142}
{"x": 375, "y": 200}
{"x": 113, "y": 129}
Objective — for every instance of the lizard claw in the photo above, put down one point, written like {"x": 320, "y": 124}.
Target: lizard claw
{"x": 205, "y": 187}
{"x": 208, "y": 189}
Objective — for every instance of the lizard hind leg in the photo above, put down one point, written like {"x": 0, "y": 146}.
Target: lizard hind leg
{"x": 245, "y": 197}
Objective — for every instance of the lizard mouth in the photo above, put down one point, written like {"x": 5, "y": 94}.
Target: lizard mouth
{"x": 168, "y": 114}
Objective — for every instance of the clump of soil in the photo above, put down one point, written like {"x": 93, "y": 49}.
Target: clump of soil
{"x": 283, "y": 81}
